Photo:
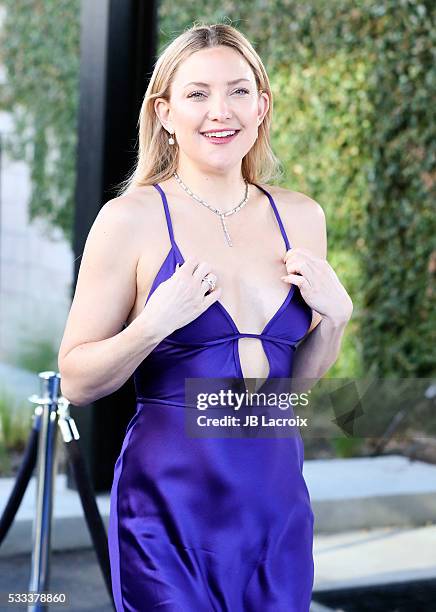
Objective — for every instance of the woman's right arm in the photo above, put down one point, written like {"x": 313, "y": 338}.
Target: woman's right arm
{"x": 97, "y": 355}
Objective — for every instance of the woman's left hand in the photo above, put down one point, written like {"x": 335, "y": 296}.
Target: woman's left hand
{"x": 319, "y": 285}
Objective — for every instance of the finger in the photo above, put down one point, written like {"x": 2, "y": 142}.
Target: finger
{"x": 212, "y": 297}
{"x": 189, "y": 265}
{"x": 300, "y": 266}
{"x": 302, "y": 251}
{"x": 201, "y": 270}
{"x": 287, "y": 254}
{"x": 294, "y": 279}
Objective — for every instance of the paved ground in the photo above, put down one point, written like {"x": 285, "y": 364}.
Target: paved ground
{"x": 417, "y": 596}
{"x": 87, "y": 592}
{"x": 344, "y": 561}
{"x": 78, "y": 569}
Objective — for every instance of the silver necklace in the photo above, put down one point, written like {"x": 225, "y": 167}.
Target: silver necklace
{"x": 221, "y": 214}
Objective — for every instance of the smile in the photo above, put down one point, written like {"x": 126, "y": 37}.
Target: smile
{"x": 221, "y": 137}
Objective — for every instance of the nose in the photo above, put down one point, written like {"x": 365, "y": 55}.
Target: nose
{"x": 219, "y": 108}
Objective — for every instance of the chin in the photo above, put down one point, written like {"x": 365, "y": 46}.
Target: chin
{"x": 222, "y": 168}
{"x": 220, "y": 162}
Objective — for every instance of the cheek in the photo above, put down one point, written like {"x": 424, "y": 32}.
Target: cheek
{"x": 248, "y": 115}
{"x": 187, "y": 116}
{"x": 250, "y": 137}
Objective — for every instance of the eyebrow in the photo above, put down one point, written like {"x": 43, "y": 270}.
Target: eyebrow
{"x": 199, "y": 84}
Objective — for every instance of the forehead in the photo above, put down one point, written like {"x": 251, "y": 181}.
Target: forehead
{"x": 214, "y": 65}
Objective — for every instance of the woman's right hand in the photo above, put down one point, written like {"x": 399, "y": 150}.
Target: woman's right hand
{"x": 182, "y": 298}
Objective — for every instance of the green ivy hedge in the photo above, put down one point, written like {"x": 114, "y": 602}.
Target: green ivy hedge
{"x": 353, "y": 125}
{"x": 39, "y": 47}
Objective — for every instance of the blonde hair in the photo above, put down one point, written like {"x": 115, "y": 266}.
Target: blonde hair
{"x": 156, "y": 160}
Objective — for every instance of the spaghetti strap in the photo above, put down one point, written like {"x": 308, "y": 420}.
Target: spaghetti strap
{"x": 273, "y": 204}
{"x": 170, "y": 225}
{"x": 167, "y": 215}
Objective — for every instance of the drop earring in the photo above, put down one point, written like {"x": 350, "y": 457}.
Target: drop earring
{"x": 171, "y": 140}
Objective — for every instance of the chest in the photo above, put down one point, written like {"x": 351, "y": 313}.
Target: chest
{"x": 251, "y": 287}
{"x": 248, "y": 272}
{"x": 249, "y": 277}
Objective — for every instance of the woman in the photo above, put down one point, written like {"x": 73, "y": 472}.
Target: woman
{"x": 204, "y": 523}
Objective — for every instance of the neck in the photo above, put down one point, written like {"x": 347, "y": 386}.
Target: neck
{"x": 222, "y": 190}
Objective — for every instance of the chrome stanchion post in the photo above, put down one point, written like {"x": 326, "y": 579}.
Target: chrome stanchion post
{"x": 46, "y": 471}
{"x": 66, "y": 422}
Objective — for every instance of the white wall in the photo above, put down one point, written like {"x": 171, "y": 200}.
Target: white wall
{"x": 36, "y": 270}
{"x": 36, "y": 266}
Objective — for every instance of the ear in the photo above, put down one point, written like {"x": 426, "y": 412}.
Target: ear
{"x": 162, "y": 110}
{"x": 262, "y": 106}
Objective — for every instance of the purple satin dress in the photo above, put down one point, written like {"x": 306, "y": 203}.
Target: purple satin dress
{"x": 210, "y": 524}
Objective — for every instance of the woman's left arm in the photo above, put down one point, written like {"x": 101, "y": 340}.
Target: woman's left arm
{"x": 317, "y": 353}
{"x": 322, "y": 290}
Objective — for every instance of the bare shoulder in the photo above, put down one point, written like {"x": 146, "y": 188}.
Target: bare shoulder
{"x": 303, "y": 218}
{"x": 133, "y": 219}
{"x": 127, "y": 208}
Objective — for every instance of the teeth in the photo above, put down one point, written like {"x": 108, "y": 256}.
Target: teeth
{"x": 221, "y": 134}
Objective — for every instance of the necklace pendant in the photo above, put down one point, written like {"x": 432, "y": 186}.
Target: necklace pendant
{"x": 213, "y": 209}
{"x": 226, "y": 233}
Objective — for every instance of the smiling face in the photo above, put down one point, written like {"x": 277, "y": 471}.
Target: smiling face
{"x": 213, "y": 90}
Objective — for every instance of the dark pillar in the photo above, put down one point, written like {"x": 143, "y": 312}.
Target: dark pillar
{"x": 118, "y": 40}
